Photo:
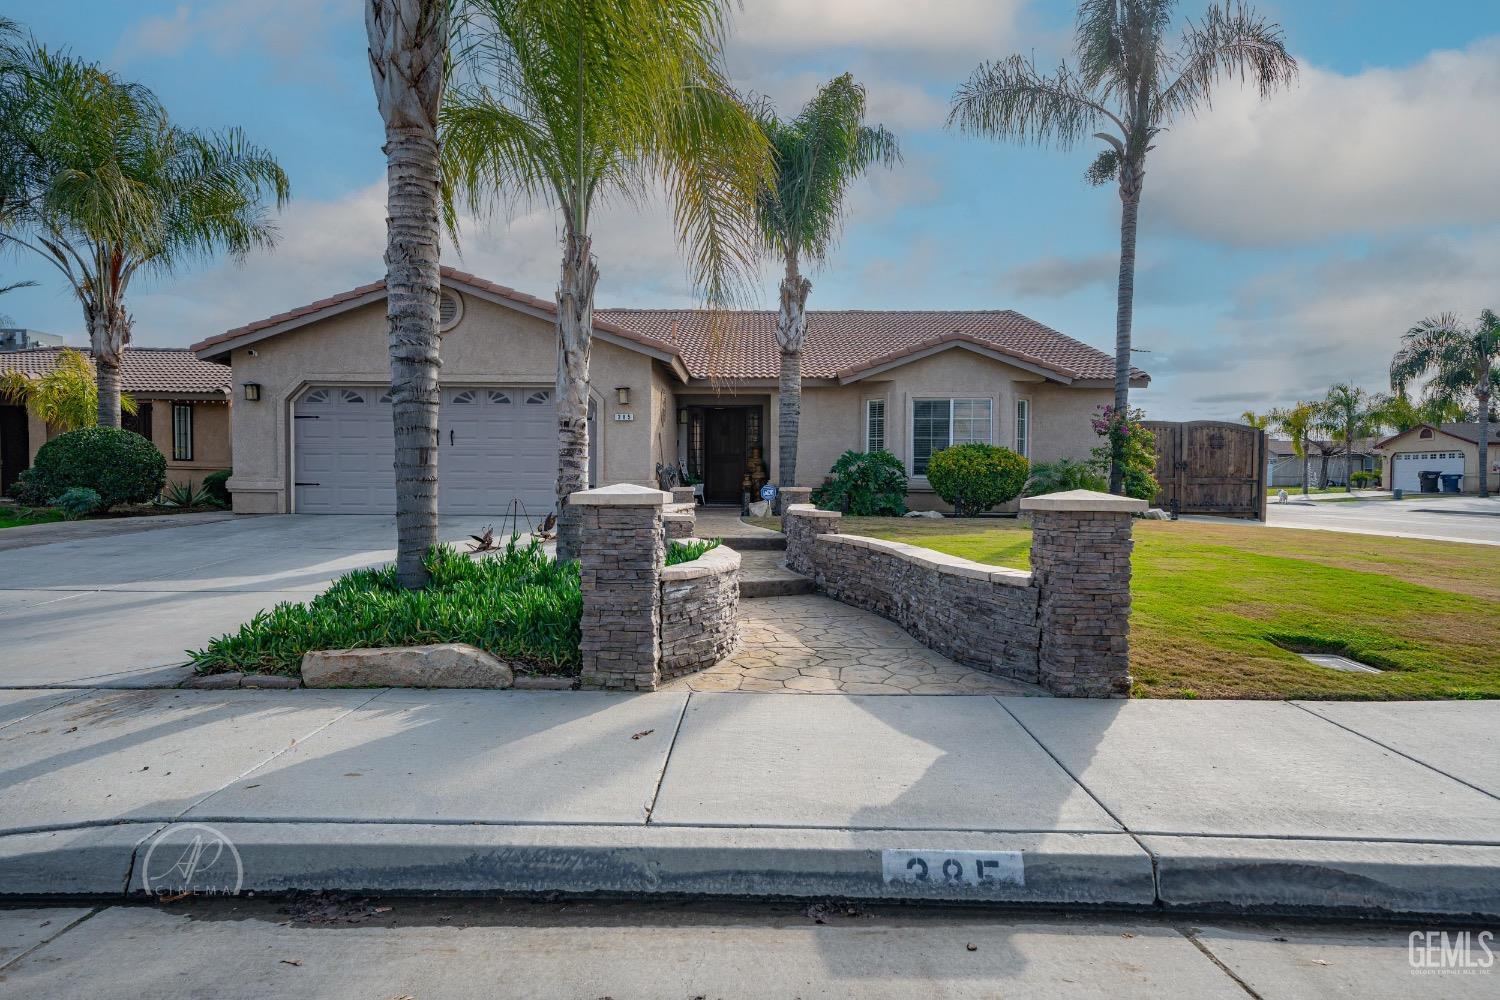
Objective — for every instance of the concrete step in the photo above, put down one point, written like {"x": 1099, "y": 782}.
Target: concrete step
{"x": 725, "y": 523}
{"x": 763, "y": 575}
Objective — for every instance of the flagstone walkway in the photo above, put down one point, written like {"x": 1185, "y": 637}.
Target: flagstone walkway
{"x": 809, "y": 644}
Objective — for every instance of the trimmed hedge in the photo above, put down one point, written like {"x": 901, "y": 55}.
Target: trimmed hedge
{"x": 975, "y": 477}
{"x": 119, "y": 465}
{"x": 871, "y": 483}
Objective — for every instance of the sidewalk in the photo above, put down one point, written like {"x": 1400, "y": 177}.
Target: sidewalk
{"x": 1250, "y": 807}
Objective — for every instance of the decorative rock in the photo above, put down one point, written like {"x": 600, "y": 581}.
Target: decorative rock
{"x": 215, "y": 682}
{"x": 446, "y": 665}
{"x": 924, "y": 513}
{"x": 760, "y": 508}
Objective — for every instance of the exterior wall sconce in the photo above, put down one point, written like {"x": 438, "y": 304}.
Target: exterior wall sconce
{"x": 682, "y": 418}
{"x": 252, "y": 391}
{"x": 622, "y": 395}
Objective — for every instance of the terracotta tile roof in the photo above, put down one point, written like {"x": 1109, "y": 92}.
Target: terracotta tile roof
{"x": 144, "y": 370}
{"x": 742, "y": 344}
{"x": 845, "y": 342}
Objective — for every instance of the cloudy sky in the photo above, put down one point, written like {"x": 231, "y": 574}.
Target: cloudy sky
{"x": 1284, "y": 245}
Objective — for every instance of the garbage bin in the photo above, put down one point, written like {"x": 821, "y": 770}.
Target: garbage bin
{"x": 1452, "y": 481}
{"x": 1428, "y": 481}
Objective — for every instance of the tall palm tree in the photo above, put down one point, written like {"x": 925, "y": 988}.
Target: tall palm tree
{"x": 1297, "y": 422}
{"x": 573, "y": 101}
{"x": 408, "y": 46}
{"x": 1344, "y": 415}
{"x": 1128, "y": 87}
{"x": 67, "y": 397}
{"x": 817, "y": 154}
{"x": 112, "y": 188}
{"x": 1462, "y": 361}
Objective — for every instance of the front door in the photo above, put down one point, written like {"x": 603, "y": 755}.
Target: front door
{"x": 15, "y": 445}
{"x": 724, "y": 454}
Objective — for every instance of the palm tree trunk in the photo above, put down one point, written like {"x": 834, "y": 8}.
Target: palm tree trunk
{"x": 575, "y": 331}
{"x": 108, "y": 378}
{"x": 791, "y": 334}
{"x": 1130, "y": 196}
{"x": 1348, "y": 463}
{"x": 107, "y": 342}
{"x": 1484, "y": 442}
{"x": 412, "y": 293}
{"x": 1306, "y": 471}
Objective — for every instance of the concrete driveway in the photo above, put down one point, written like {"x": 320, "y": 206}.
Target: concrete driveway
{"x": 1454, "y": 519}
{"x": 121, "y": 610}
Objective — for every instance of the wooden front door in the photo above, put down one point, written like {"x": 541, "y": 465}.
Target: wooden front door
{"x": 1210, "y": 467}
{"x": 15, "y": 445}
{"x": 724, "y": 454}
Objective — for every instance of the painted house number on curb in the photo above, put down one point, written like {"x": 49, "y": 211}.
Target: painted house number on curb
{"x": 953, "y": 868}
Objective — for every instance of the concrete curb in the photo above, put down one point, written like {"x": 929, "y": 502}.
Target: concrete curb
{"x": 1208, "y": 875}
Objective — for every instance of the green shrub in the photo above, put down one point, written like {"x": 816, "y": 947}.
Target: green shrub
{"x": 1063, "y": 475}
{"x": 1127, "y": 440}
{"x": 681, "y": 552}
{"x": 1362, "y": 479}
{"x": 216, "y": 485}
{"x": 975, "y": 477}
{"x": 121, "y": 466}
{"x": 77, "y": 502}
{"x": 871, "y": 483}
{"x": 518, "y": 605}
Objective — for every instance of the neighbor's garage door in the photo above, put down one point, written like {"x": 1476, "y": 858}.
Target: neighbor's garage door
{"x": 497, "y": 442}
{"x": 1406, "y": 466}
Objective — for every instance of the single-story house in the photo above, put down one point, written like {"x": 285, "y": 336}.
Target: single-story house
{"x": 182, "y": 406}
{"x": 682, "y": 387}
{"x": 1327, "y": 464}
{"x": 1451, "y": 449}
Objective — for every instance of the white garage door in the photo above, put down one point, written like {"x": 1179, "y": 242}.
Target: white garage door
{"x": 496, "y": 443}
{"x": 1407, "y": 465}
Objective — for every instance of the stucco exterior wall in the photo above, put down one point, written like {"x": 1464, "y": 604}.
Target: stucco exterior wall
{"x": 491, "y": 344}
{"x": 1412, "y": 441}
{"x": 211, "y": 437}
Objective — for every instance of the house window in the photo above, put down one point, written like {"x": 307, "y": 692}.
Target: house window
{"x": 938, "y": 423}
{"x": 182, "y": 432}
{"x": 874, "y": 425}
{"x": 1023, "y": 427}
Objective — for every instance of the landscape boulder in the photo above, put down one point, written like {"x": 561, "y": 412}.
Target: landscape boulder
{"x": 445, "y": 665}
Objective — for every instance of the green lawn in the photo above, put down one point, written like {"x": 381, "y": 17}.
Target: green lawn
{"x": 11, "y": 517}
{"x": 1215, "y": 605}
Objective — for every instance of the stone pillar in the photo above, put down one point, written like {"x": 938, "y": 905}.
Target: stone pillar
{"x": 683, "y": 494}
{"x": 621, "y": 555}
{"x": 802, "y": 524}
{"x": 1080, "y": 565}
{"x": 679, "y": 524}
{"x": 795, "y": 495}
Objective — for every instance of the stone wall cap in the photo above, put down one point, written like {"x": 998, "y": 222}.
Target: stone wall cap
{"x": 717, "y": 560}
{"x": 1084, "y": 501}
{"x": 620, "y": 495}
{"x": 932, "y": 559}
{"x": 808, "y": 510}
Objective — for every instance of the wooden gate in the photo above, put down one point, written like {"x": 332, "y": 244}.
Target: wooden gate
{"x": 1210, "y": 467}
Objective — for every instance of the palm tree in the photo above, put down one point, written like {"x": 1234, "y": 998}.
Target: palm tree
{"x": 408, "y": 46}
{"x": 1462, "y": 362}
{"x": 112, "y": 187}
{"x": 1128, "y": 87}
{"x": 816, "y": 156}
{"x": 1296, "y": 422}
{"x": 573, "y": 101}
{"x": 1260, "y": 421}
{"x": 1344, "y": 415}
{"x": 67, "y": 397}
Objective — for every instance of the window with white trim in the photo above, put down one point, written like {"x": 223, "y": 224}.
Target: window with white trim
{"x": 874, "y": 425}
{"x": 1023, "y": 427}
{"x": 939, "y": 423}
{"x": 182, "y": 432}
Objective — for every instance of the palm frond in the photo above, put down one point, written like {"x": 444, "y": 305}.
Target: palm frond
{"x": 1231, "y": 41}
{"x": 1013, "y": 99}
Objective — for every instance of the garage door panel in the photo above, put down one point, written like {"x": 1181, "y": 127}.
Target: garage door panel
{"x": 495, "y": 446}
{"x": 1408, "y": 466}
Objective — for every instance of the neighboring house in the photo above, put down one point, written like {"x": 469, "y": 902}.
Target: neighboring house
{"x": 15, "y": 338}
{"x": 1285, "y": 468}
{"x": 1451, "y": 449}
{"x": 669, "y": 387}
{"x": 182, "y": 402}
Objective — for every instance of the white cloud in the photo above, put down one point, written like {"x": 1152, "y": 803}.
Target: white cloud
{"x": 1053, "y": 277}
{"x": 951, "y": 26}
{"x": 285, "y": 29}
{"x": 1380, "y": 151}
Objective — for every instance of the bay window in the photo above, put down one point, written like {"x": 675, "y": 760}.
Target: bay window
{"x": 939, "y": 423}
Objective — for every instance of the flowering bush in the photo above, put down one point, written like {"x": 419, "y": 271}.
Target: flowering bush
{"x": 1128, "y": 444}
